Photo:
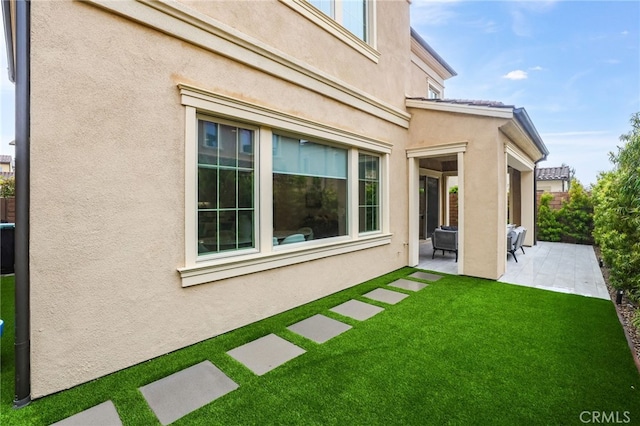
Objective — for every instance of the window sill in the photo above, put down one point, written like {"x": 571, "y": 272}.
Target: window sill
{"x": 219, "y": 269}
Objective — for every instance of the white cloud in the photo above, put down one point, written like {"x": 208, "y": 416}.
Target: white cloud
{"x": 516, "y": 75}
{"x": 536, "y": 68}
{"x": 432, "y": 13}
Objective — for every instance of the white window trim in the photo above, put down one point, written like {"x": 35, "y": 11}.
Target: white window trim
{"x": 198, "y": 270}
{"x": 368, "y": 48}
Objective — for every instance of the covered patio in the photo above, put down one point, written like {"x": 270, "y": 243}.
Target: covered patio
{"x": 559, "y": 267}
{"x": 493, "y": 150}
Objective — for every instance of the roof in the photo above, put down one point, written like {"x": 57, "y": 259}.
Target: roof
{"x": 432, "y": 52}
{"x": 4, "y": 159}
{"x": 553, "y": 173}
{"x": 520, "y": 115}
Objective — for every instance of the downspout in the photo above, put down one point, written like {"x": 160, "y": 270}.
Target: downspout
{"x": 23, "y": 326}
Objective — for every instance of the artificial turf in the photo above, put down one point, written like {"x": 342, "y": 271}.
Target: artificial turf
{"x": 460, "y": 351}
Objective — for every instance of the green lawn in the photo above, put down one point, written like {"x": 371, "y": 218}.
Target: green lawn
{"x": 461, "y": 351}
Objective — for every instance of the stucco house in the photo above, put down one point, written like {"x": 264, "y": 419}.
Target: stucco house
{"x": 553, "y": 179}
{"x": 229, "y": 161}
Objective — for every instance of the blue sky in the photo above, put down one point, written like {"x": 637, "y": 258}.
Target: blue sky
{"x": 573, "y": 65}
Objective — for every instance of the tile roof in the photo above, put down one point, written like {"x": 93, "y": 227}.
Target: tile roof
{"x": 470, "y": 102}
{"x": 553, "y": 173}
{"x": 5, "y": 159}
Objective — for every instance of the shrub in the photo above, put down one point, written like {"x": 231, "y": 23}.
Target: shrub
{"x": 549, "y": 229}
{"x": 617, "y": 212}
{"x": 576, "y": 216}
{"x": 7, "y": 187}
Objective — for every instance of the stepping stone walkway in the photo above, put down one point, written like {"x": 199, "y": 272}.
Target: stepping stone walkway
{"x": 385, "y": 296}
{"x": 177, "y": 395}
{"x": 266, "y": 353}
{"x": 319, "y": 328}
{"x": 357, "y": 310}
{"x": 104, "y": 414}
{"x": 425, "y": 276}
{"x": 408, "y": 285}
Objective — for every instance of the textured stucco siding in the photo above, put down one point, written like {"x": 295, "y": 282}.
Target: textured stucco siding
{"x": 107, "y": 184}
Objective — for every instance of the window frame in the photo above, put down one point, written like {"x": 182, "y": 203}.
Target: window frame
{"x": 256, "y": 165}
{"x": 200, "y": 270}
{"x": 379, "y": 195}
{"x": 367, "y": 48}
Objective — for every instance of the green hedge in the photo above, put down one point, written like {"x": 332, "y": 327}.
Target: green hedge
{"x": 616, "y": 198}
{"x": 572, "y": 223}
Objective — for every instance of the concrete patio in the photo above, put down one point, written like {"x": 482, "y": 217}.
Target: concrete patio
{"x": 560, "y": 267}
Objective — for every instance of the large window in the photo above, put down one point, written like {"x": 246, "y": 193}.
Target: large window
{"x": 268, "y": 189}
{"x": 369, "y": 192}
{"x": 226, "y": 208}
{"x": 309, "y": 190}
{"x": 351, "y": 14}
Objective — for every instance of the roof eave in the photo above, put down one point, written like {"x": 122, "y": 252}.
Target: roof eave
{"x": 433, "y": 53}
{"x": 525, "y": 121}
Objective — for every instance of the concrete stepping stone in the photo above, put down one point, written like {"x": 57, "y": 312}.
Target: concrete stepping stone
{"x": 266, "y": 353}
{"x": 408, "y": 285}
{"x": 386, "y": 296}
{"x": 104, "y": 414}
{"x": 179, "y": 394}
{"x": 425, "y": 276}
{"x": 357, "y": 310}
{"x": 319, "y": 328}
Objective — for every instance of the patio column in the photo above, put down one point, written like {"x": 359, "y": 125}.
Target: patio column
{"x": 414, "y": 213}
{"x": 528, "y": 207}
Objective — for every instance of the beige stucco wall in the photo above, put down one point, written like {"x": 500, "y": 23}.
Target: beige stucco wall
{"x": 107, "y": 228}
{"x": 485, "y": 182}
{"x": 277, "y": 25}
{"x": 551, "y": 185}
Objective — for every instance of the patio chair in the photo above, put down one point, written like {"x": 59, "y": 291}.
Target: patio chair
{"x": 445, "y": 240}
{"x": 515, "y": 238}
{"x": 523, "y": 231}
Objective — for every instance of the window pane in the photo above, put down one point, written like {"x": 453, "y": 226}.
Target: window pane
{"x": 301, "y": 157}
{"x": 207, "y": 142}
{"x": 245, "y": 189}
{"x": 245, "y": 153}
{"x": 207, "y": 232}
{"x": 226, "y": 214}
{"x": 207, "y": 188}
{"x": 312, "y": 207}
{"x": 228, "y": 145}
{"x": 227, "y": 233}
{"x": 326, "y": 6}
{"x": 227, "y": 189}
{"x": 354, "y": 17}
{"x": 369, "y": 193}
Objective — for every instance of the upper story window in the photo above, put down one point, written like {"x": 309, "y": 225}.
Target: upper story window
{"x": 433, "y": 93}
{"x": 351, "y": 14}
